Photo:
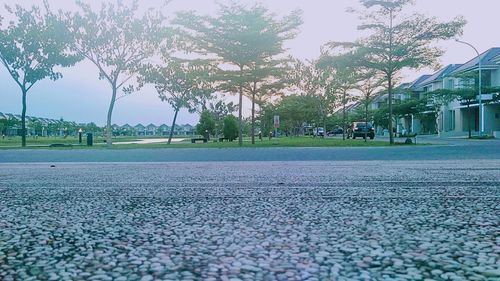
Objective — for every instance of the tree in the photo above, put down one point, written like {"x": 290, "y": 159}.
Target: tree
{"x": 118, "y": 42}
{"x": 230, "y": 128}
{"x": 181, "y": 83}
{"x": 370, "y": 84}
{"x": 206, "y": 125}
{"x": 239, "y": 38}
{"x": 267, "y": 79}
{"x": 220, "y": 110}
{"x": 342, "y": 75}
{"x": 31, "y": 47}
{"x": 295, "y": 111}
{"x": 310, "y": 79}
{"x": 399, "y": 41}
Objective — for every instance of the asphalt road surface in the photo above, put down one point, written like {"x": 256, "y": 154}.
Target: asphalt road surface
{"x": 442, "y": 149}
{"x": 262, "y": 220}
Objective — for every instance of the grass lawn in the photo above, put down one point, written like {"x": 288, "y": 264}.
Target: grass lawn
{"x": 275, "y": 142}
{"x": 45, "y": 141}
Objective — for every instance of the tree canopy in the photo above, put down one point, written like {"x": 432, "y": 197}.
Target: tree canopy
{"x": 241, "y": 39}
{"x": 32, "y": 46}
{"x": 118, "y": 40}
{"x": 397, "y": 40}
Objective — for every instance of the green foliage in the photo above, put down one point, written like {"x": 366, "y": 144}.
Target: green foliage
{"x": 245, "y": 40}
{"x": 399, "y": 41}
{"x": 219, "y": 111}
{"x": 31, "y": 48}
{"x": 118, "y": 41}
{"x": 230, "y": 128}
{"x": 33, "y": 45}
{"x": 311, "y": 80}
{"x": 206, "y": 124}
{"x": 294, "y": 111}
{"x": 181, "y": 83}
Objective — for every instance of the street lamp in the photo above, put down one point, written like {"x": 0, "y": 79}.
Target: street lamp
{"x": 481, "y": 109}
{"x": 80, "y": 136}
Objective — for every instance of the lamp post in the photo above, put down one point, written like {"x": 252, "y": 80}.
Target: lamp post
{"x": 80, "y": 136}
{"x": 481, "y": 109}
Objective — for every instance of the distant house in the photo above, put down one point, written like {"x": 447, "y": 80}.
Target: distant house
{"x": 187, "y": 130}
{"x": 140, "y": 130}
{"x": 151, "y": 130}
{"x": 164, "y": 130}
{"x": 127, "y": 130}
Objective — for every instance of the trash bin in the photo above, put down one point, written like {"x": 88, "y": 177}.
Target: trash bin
{"x": 90, "y": 139}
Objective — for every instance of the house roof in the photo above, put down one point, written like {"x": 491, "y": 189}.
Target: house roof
{"x": 489, "y": 59}
{"x": 440, "y": 74}
{"x": 416, "y": 84}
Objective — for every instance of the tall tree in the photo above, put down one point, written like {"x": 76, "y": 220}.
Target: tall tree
{"x": 118, "y": 41}
{"x": 311, "y": 80}
{"x": 399, "y": 41}
{"x": 342, "y": 75}
{"x": 206, "y": 125}
{"x": 295, "y": 110}
{"x": 267, "y": 80}
{"x": 181, "y": 83}
{"x": 220, "y": 109}
{"x": 239, "y": 38}
{"x": 371, "y": 83}
{"x": 31, "y": 47}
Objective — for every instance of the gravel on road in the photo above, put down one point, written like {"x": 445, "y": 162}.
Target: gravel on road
{"x": 398, "y": 220}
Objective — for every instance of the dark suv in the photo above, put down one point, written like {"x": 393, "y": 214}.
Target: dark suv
{"x": 359, "y": 129}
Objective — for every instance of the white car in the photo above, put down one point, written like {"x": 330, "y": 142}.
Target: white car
{"x": 319, "y": 132}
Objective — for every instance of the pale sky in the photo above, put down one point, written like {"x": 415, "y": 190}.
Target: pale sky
{"x": 81, "y": 97}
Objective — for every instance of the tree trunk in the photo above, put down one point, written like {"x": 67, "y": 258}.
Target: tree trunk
{"x": 109, "y": 130}
{"x": 253, "y": 112}
{"x": 389, "y": 90}
{"x": 344, "y": 116}
{"x": 23, "y": 120}
{"x": 468, "y": 121}
{"x": 173, "y": 126}
{"x": 253, "y": 116}
{"x": 240, "y": 110}
{"x": 366, "y": 121}
{"x": 390, "y": 74}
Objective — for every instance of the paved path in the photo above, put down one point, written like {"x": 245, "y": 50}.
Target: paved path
{"x": 377, "y": 220}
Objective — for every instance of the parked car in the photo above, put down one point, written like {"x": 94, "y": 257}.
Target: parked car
{"x": 319, "y": 132}
{"x": 335, "y": 131}
{"x": 359, "y": 129}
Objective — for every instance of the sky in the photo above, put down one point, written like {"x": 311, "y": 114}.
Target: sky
{"x": 80, "y": 96}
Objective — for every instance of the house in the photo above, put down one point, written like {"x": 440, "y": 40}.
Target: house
{"x": 427, "y": 123}
{"x": 187, "y": 130}
{"x": 455, "y": 116}
{"x": 164, "y": 130}
{"x": 151, "y": 130}
{"x": 140, "y": 130}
